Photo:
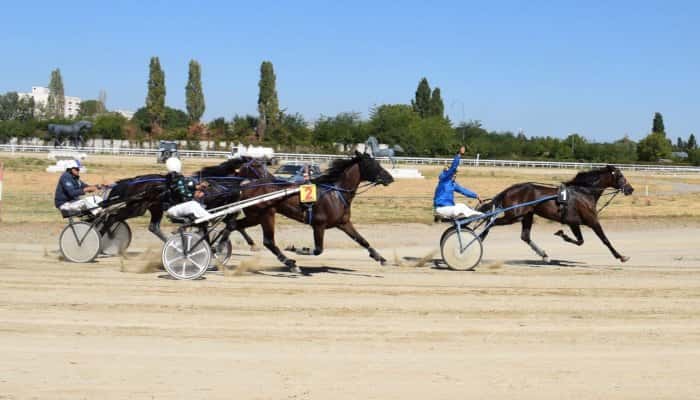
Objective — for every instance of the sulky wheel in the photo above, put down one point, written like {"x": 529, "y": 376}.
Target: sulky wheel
{"x": 116, "y": 239}
{"x": 222, "y": 249}
{"x": 186, "y": 255}
{"x": 464, "y": 256}
{"x": 79, "y": 242}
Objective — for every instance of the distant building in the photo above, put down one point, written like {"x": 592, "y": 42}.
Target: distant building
{"x": 126, "y": 114}
{"x": 680, "y": 154}
{"x": 40, "y": 95}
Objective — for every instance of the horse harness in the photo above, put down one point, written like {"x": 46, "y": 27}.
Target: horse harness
{"x": 307, "y": 208}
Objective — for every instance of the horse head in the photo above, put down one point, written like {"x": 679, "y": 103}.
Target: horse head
{"x": 254, "y": 169}
{"x": 371, "y": 170}
{"x": 618, "y": 180}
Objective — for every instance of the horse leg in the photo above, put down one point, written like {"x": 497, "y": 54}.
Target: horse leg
{"x": 247, "y": 239}
{"x": 525, "y": 236}
{"x": 350, "y": 230}
{"x": 268, "y": 228}
{"x": 576, "y": 229}
{"x": 154, "y": 225}
{"x": 599, "y": 231}
{"x": 319, "y": 231}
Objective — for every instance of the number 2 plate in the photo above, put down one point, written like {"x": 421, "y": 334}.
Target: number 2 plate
{"x": 307, "y": 193}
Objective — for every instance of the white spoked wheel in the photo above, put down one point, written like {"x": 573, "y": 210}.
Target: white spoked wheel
{"x": 462, "y": 250}
{"x": 222, "y": 249}
{"x": 186, "y": 256}
{"x": 79, "y": 242}
{"x": 116, "y": 240}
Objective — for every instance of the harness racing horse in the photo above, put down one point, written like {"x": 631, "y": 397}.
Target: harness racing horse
{"x": 583, "y": 193}
{"x": 337, "y": 187}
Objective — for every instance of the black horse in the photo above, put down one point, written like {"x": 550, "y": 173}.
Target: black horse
{"x": 73, "y": 133}
{"x": 579, "y": 208}
{"x": 336, "y": 190}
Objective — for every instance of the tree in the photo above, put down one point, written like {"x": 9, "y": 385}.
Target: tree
{"x": 90, "y": 108}
{"x": 268, "y": 103}
{"x": 109, "y": 126}
{"x": 654, "y": 147}
{"x": 692, "y": 144}
{"x": 155, "y": 100}
{"x": 658, "y": 125}
{"x": 56, "y": 103}
{"x": 194, "y": 93}
{"x": 16, "y": 108}
{"x": 346, "y": 128}
{"x": 421, "y": 103}
{"x": 680, "y": 144}
{"x": 437, "y": 108}
{"x": 102, "y": 102}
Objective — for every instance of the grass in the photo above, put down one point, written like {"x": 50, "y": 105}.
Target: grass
{"x": 28, "y": 190}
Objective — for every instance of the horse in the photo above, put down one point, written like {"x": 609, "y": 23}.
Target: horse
{"x": 583, "y": 192}
{"x": 74, "y": 132}
{"x": 338, "y": 187}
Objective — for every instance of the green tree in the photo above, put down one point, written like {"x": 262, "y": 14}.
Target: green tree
{"x": 346, "y": 128}
{"x": 691, "y": 144}
{"x": 658, "y": 124}
{"x": 90, "y": 108}
{"x": 391, "y": 123}
{"x": 654, "y": 147}
{"x": 437, "y": 108}
{"x": 109, "y": 126}
{"x": 268, "y": 103}
{"x": 421, "y": 103}
{"x": 15, "y": 107}
{"x": 155, "y": 100}
{"x": 291, "y": 131}
{"x": 242, "y": 128}
{"x": 56, "y": 103}
{"x": 194, "y": 93}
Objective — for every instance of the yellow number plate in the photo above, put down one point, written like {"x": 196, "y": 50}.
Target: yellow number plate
{"x": 307, "y": 193}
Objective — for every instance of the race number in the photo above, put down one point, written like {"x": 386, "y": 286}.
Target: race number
{"x": 307, "y": 193}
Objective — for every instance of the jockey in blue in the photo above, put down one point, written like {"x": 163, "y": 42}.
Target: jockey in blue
{"x": 70, "y": 188}
{"x": 443, "y": 201}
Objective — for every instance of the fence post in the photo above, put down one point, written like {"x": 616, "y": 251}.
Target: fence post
{"x": 2, "y": 170}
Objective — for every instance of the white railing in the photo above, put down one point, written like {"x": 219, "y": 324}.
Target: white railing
{"x": 19, "y": 148}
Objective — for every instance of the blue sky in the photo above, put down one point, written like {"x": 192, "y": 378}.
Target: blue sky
{"x": 600, "y": 69}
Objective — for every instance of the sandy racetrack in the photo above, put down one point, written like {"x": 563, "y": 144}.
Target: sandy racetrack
{"x": 584, "y": 327}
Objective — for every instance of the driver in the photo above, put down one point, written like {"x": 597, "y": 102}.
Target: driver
{"x": 70, "y": 188}
{"x": 444, "y": 202}
{"x": 183, "y": 194}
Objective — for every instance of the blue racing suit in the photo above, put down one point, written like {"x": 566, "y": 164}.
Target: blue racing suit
{"x": 69, "y": 188}
{"x": 444, "y": 192}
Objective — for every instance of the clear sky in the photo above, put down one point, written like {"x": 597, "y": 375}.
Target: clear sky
{"x": 600, "y": 69}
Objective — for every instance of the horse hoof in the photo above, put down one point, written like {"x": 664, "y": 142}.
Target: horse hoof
{"x": 546, "y": 260}
{"x": 382, "y": 262}
{"x": 559, "y": 233}
{"x": 624, "y": 258}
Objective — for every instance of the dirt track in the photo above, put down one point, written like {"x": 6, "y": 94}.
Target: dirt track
{"x": 585, "y": 327}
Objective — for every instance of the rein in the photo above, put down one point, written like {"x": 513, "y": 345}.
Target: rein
{"x": 612, "y": 197}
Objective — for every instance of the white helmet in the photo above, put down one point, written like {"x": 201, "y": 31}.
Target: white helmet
{"x": 173, "y": 164}
{"x": 70, "y": 164}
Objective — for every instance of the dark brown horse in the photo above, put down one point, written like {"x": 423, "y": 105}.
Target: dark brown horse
{"x": 336, "y": 190}
{"x": 583, "y": 193}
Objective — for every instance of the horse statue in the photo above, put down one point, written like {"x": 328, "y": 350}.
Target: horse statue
{"x": 372, "y": 144}
{"x": 73, "y": 133}
{"x": 574, "y": 206}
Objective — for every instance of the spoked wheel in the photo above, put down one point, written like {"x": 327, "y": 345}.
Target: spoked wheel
{"x": 116, "y": 240}
{"x": 222, "y": 249}
{"x": 186, "y": 256}
{"x": 461, "y": 250}
{"x": 79, "y": 242}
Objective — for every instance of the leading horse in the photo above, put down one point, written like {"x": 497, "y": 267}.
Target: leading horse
{"x": 582, "y": 192}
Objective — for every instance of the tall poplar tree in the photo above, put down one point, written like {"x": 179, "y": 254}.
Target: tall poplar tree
{"x": 421, "y": 104}
{"x": 155, "y": 100}
{"x": 268, "y": 103}
{"x": 193, "y": 92}
{"x": 437, "y": 108}
{"x": 658, "y": 126}
{"x": 692, "y": 144}
{"x": 56, "y": 103}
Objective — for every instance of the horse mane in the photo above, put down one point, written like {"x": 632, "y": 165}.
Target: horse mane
{"x": 227, "y": 167}
{"x": 336, "y": 170}
{"x": 587, "y": 178}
